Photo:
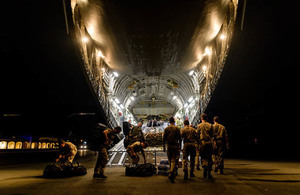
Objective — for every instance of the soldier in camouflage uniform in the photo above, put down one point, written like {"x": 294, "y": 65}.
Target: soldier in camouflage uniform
{"x": 133, "y": 150}
{"x": 173, "y": 139}
{"x": 220, "y": 144}
{"x": 205, "y": 132}
{"x": 105, "y": 139}
{"x": 136, "y": 134}
{"x": 190, "y": 140}
{"x": 67, "y": 151}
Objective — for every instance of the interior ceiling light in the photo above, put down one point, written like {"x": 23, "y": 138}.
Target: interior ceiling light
{"x": 85, "y": 39}
{"x": 99, "y": 54}
{"x": 191, "y": 73}
{"x": 207, "y": 51}
{"x": 117, "y": 100}
{"x": 191, "y": 99}
{"x": 115, "y": 74}
{"x": 222, "y": 37}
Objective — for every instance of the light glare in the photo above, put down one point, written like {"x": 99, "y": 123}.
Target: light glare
{"x": 85, "y": 39}
{"x": 99, "y": 54}
{"x": 115, "y": 74}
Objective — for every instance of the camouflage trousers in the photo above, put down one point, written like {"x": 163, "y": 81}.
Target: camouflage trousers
{"x": 218, "y": 154}
{"x": 189, "y": 150}
{"x": 133, "y": 155}
{"x": 206, "y": 154}
{"x": 197, "y": 161}
{"x": 173, "y": 153}
{"x": 101, "y": 161}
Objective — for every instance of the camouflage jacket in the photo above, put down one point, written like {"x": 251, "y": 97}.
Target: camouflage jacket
{"x": 172, "y": 135}
{"x": 220, "y": 132}
{"x": 205, "y": 131}
{"x": 189, "y": 135}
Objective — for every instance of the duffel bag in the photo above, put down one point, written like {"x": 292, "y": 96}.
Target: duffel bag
{"x": 77, "y": 169}
{"x": 140, "y": 170}
{"x": 53, "y": 170}
{"x": 64, "y": 169}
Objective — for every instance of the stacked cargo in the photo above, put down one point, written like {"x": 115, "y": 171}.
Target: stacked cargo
{"x": 154, "y": 139}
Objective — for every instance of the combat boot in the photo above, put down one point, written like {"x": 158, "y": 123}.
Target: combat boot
{"x": 192, "y": 174}
{"x": 101, "y": 175}
{"x": 172, "y": 177}
{"x": 185, "y": 175}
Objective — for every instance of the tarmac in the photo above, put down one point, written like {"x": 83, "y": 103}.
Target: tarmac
{"x": 241, "y": 177}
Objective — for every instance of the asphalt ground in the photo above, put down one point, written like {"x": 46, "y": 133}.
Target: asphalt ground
{"x": 241, "y": 177}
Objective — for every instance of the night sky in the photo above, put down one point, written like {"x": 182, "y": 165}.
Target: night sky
{"x": 257, "y": 93}
{"x": 256, "y": 97}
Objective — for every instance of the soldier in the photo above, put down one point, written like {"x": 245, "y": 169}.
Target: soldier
{"x": 205, "y": 132}
{"x": 136, "y": 133}
{"x": 105, "y": 139}
{"x": 189, "y": 136}
{"x": 67, "y": 151}
{"x": 134, "y": 148}
{"x": 173, "y": 139}
{"x": 220, "y": 142}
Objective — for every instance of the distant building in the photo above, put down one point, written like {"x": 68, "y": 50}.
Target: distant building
{"x": 28, "y": 143}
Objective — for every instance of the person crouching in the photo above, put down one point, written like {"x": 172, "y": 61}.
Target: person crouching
{"x": 134, "y": 148}
{"x": 67, "y": 151}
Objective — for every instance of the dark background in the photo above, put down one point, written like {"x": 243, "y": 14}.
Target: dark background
{"x": 41, "y": 75}
{"x": 257, "y": 94}
{"x": 256, "y": 97}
